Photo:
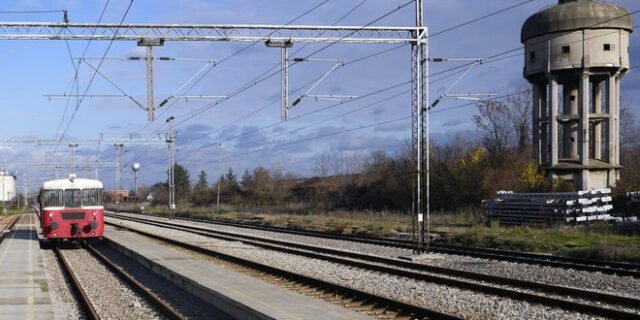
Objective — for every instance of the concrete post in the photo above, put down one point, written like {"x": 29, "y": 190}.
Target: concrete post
{"x": 535, "y": 123}
{"x": 544, "y": 129}
{"x": 583, "y": 129}
{"x": 553, "y": 120}
{"x": 597, "y": 128}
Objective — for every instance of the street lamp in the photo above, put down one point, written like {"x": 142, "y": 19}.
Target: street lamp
{"x": 135, "y": 167}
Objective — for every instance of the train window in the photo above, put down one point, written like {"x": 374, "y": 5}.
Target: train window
{"x": 92, "y": 197}
{"x": 72, "y": 198}
{"x": 51, "y": 198}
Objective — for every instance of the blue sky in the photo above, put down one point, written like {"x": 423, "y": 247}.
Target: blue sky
{"x": 33, "y": 68}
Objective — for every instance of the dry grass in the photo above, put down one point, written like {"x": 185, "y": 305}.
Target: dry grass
{"x": 464, "y": 227}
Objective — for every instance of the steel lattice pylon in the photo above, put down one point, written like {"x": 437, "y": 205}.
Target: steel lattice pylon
{"x": 419, "y": 133}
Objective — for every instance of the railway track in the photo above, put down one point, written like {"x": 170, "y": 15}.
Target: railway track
{"x": 6, "y": 223}
{"x": 86, "y": 303}
{"x": 607, "y": 267}
{"x": 374, "y": 305}
{"x": 547, "y": 294}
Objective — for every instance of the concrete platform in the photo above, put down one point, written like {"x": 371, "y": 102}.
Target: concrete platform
{"x": 24, "y": 292}
{"x": 238, "y": 295}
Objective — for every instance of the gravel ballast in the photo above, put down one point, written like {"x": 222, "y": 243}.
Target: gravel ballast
{"x": 63, "y": 301}
{"x": 595, "y": 281}
{"x": 111, "y": 298}
{"x": 464, "y": 303}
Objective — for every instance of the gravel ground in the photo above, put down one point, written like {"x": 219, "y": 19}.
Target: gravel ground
{"x": 467, "y": 304}
{"x": 111, "y": 298}
{"x": 188, "y": 305}
{"x": 613, "y": 284}
{"x": 63, "y": 301}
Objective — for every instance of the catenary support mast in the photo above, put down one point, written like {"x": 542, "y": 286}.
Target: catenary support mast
{"x": 419, "y": 96}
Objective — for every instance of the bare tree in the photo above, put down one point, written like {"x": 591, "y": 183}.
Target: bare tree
{"x": 520, "y": 117}
{"x": 493, "y": 122}
{"x": 505, "y": 124}
{"x": 628, "y": 129}
{"x": 322, "y": 166}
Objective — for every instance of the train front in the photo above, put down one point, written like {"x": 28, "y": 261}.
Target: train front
{"x": 72, "y": 209}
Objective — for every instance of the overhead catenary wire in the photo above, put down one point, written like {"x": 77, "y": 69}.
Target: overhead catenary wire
{"x": 386, "y": 50}
{"x": 320, "y": 110}
{"x": 237, "y": 92}
{"x": 256, "y": 80}
{"x": 76, "y": 83}
{"x": 252, "y": 82}
{"x": 338, "y": 132}
{"x": 500, "y": 58}
{"x": 333, "y": 105}
{"x": 222, "y": 61}
{"x": 307, "y": 12}
{"x": 341, "y": 115}
{"x": 79, "y": 104}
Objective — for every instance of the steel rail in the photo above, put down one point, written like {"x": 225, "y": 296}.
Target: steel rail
{"x": 151, "y": 297}
{"x": 76, "y": 287}
{"x": 7, "y": 226}
{"x": 608, "y": 267}
{"x": 279, "y": 245}
{"x": 333, "y": 255}
{"x": 390, "y": 304}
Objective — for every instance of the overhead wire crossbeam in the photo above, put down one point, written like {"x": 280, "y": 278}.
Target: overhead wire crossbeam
{"x": 204, "y": 32}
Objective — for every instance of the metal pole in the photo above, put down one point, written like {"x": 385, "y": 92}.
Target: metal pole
{"x": 135, "y": 184}
{"x": 426, "y": 137}
{"x": 170, "y": 139}
{"x": 118, "y": 170}
{"x": 72, "y": 149}
{"x": 284, "y": 83}
{"x": 220, "y": 178}
{"x": 4, "y": 176}
{"x": 418, "y": 132}
{"x": 150, "y": 106}
{"x": 24, "y": 190}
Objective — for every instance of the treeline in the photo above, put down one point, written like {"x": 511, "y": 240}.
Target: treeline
{"x": 463, "y": 172}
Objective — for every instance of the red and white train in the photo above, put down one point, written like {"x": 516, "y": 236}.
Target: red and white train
{"x": 71, "y": 208}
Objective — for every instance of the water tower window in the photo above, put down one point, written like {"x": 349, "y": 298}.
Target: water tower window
{"x": 566, "y": 49}
{"x": 608, "y": 47}
{"x": 532, "y": 55}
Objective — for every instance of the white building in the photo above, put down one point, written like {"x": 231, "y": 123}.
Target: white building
{"x": 7, "y": 186}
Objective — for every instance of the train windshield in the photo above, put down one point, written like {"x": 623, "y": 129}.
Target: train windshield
{"x": 92, "y": 197}
{"x": 51, "y": 198}
{"x": 72, "y": 198}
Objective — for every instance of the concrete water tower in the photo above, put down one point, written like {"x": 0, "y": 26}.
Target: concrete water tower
{"x": 575, "y": 55}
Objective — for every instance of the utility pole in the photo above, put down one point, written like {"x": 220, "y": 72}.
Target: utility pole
{"x": 170, "y": 140}
{"x": 24, "y": 189}
{"x": 221, "y": 175}
{"x": 4, "y": 177}
{"x": 118, "y": 169}
{"x": 419, "y": 129}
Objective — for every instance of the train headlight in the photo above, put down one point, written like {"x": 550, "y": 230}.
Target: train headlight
{"x": 95, "y": 213}
{"x": 51, "y": 214}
